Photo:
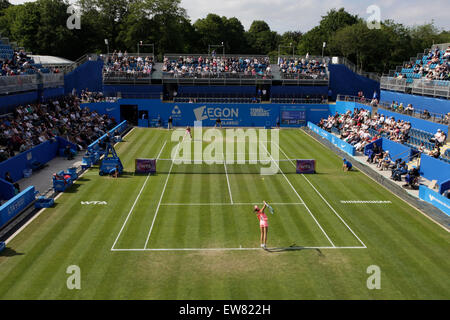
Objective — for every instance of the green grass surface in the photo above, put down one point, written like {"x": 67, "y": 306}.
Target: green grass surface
{"x": 412, "y": 251}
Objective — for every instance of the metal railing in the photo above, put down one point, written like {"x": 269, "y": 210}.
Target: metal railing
{"x": 13, "y": 84}
{"x": 52, "y": 80}
{"x": 435, "y": 88}
{"x": 393, "y": 84}
{"x": 136, "y": 77}
{"x": 441, "y": 46}
{"x": 172, "y": 56}
{"x": 215, "y": 78}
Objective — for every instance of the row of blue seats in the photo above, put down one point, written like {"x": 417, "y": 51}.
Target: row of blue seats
{"x": 417, "y": 142}
{"x": 420, "y": 134}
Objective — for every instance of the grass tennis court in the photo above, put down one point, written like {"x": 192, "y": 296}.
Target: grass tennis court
{"x": 189, "y": 232}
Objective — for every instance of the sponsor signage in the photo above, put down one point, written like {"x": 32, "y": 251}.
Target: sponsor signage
{"x": 306, "y": 166}
{"x": 145, "y": 166}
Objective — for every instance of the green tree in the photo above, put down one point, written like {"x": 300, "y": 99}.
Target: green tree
{"x": 261, "y": 39}
{"x": 334, "y": 20}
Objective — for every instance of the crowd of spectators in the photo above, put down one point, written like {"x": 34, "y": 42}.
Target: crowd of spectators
{"x": 361, "y": 128}
{"x": 216, "y": 66}
{"x": 304, "y": 68}
{"x": 34, "y": 124}
{"x": 90, "y": 97}
{"x": 122, "y": 64}
{"x": 435, "y": 66}
{"x": 21, "y": 64}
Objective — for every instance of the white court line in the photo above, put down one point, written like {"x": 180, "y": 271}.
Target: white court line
{"x": 299, "y": 197}
{"x": 342, "y": 220}
{"x": 135, "y": 201}
{"x": 162, "y": 195}
{"x": 228, "y": 204}
{"x": 228, "y": 180}
{"x": 227, "y": 249}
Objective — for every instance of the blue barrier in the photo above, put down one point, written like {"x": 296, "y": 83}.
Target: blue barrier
{"x": 436, "y": 199}
{"x": 41, "y": 154}
{"x": 344, "y": 146}
{"x": 232, "y": 115}
{"x": 7, "y": 190}
{"x": 87, "y": 76}
{"x": 434, "y": 169}
{"x": 9, "y": 103}
{"x": 14, "y": 206}
{"x": 396, "y": 150}
{"x": 370, "y": 146}
{"x": 112, "y": 109}
{"x": 345, "y": 82}
{"x": 434, "y": 105}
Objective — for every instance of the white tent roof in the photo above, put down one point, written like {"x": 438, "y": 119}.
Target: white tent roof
{"x": 47, "y": 60}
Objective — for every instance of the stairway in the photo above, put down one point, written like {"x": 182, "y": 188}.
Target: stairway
{"x": 276, "y": 74}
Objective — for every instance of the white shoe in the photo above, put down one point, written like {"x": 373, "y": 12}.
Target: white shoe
{"x": 262, "y": 246}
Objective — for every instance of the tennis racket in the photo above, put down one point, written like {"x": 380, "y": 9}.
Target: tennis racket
{"x": 270, "y": 208}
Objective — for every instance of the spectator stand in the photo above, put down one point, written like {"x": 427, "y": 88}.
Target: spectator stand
{"x": 427, "y": 74}
{"x": 214, "y": 69}
{"x": 128, "y": 68}
{"x": 304, "y": 70}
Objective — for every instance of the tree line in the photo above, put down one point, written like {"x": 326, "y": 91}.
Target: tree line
{"x": 40, "y": 27}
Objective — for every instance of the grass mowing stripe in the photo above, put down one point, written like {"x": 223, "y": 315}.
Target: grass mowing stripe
{"x": 162, "y": 195}
{"x": 340, "y": 218}
{"x": 300, "y": 199}
{"x": 137, "y": 198}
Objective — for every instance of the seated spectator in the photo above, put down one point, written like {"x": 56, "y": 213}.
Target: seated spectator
{"x": 68, "y": 153}
{"x": 426, "y": 114}
{"x": 412, "y": 178}
{"x": 398, "y": 172}
{"x": 384, "y": 161}
{"x": 435, "y": 153}
{"x": 439, "y": 138}
{"x": 10, "y": 180}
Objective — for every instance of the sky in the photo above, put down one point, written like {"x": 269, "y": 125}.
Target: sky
{"x": 303, "y": 15}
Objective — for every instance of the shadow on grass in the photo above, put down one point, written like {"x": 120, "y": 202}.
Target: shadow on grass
{"x": 73, "y": 188}
{"x": 293, "y": 248}
{"x": 8, "y": 252}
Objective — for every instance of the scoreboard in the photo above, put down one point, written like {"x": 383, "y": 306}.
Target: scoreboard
{"x": 293, "y": 117}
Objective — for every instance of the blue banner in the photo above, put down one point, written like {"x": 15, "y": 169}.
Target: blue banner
{"x": 436, "y": 199}
{"x": 13, "y": 207}
{"x": 230, "y": 114}
{"x": 344, "y": 146}
{"x": 434, "y": 169}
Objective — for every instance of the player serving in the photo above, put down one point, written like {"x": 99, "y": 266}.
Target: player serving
{"x": 263, "y": 223}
